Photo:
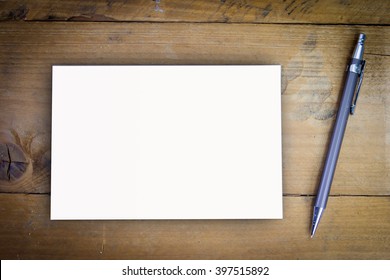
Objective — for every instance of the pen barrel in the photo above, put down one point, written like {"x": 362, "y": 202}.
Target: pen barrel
{"x": 336, "y": 140}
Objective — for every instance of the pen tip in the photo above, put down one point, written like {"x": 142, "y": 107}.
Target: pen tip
{"x": 316, "y": 219}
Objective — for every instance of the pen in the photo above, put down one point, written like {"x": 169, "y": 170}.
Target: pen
{"x": 353, "y": 80}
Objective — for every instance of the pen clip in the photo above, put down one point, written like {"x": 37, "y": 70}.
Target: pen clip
{"x": 353, "y": 106}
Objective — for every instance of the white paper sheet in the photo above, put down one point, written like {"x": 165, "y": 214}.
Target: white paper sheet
{"x": 166, "y": 142}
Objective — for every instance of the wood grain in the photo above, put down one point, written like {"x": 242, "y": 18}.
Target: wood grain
{"x": 313, "y": 60}
{"x": 352, "y": 228}
{"x": 231, "y": 11}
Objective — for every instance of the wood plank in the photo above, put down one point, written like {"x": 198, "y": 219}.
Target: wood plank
{"x": 313, "y": 60}
{"x": 237, "y": 11}
{"x": 352, "y": 228}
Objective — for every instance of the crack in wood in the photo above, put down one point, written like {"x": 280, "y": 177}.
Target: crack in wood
{"x": 13, "y": 162}
{"x": 377, "y": 54}
{"x": 9, "y": 163}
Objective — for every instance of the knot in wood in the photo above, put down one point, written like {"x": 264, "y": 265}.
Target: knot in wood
{"x": 13, "y": 162}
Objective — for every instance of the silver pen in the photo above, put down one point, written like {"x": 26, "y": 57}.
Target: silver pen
{"x": 347, "y": 106}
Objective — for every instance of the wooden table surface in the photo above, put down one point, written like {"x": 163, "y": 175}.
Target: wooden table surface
{"x": 311, "y": 39}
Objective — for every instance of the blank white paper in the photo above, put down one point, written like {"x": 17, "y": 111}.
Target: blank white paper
{"x": 166, "y": 142}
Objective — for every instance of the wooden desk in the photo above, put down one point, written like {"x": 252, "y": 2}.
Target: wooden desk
{"x": 312, "y": 40}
